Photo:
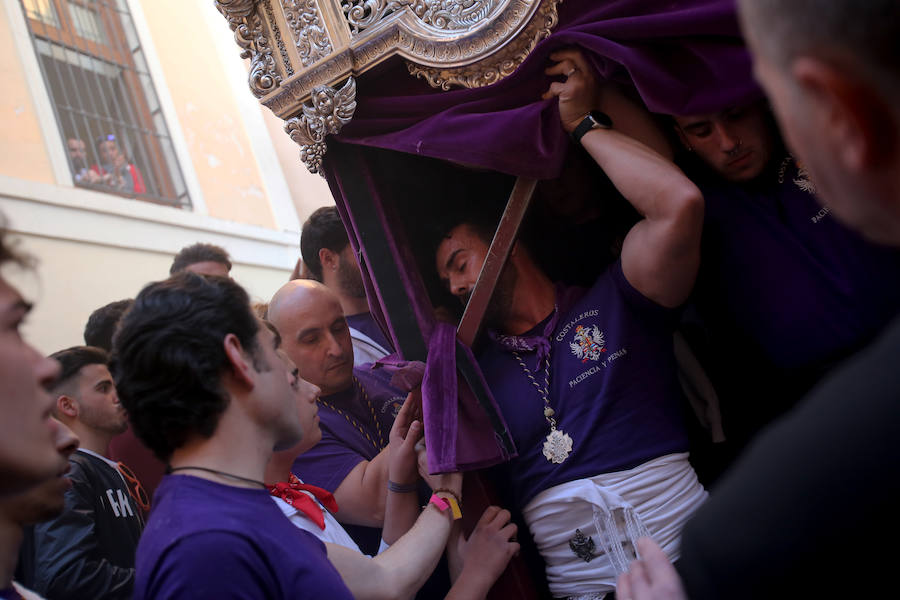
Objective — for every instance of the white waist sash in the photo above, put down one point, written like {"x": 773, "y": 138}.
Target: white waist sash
{"x": 654, "y": 499}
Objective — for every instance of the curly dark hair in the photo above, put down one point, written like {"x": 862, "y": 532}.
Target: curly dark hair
{"x": 101, "y": 325}
{"x": 323, "y": 229}
{"x": 199, "y": 252}
{"x": 168, "y": 357}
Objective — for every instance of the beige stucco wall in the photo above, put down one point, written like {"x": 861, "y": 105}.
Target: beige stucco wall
{"x": 218, "y": 143}
{"x": 92, "y": 248}
{"x": 22, "y": 150}
{"x": 308, "y": 191}
{"x": 72, "y": 279}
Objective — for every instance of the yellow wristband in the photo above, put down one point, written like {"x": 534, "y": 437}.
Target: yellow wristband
{"x": 454, "y": 507}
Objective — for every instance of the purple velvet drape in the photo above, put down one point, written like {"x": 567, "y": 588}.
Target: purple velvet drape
{"x": 681, "y": 56}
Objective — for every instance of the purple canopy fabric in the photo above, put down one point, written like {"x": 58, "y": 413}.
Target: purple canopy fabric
{"x": 682, "y": 56}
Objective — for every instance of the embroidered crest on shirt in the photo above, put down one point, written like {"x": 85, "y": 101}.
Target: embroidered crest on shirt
{"x": 589, "y": 343}
{"x": 802, "y": 180}
{"x": 394, "y": 405}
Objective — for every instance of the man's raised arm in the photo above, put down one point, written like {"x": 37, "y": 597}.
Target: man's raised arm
{"x": 661, "y": 253}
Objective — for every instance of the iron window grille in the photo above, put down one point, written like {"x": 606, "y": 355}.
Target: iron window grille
{"x": 100, "y": 86}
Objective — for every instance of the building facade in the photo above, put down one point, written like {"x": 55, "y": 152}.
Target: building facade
{"x": 129, "y": 132}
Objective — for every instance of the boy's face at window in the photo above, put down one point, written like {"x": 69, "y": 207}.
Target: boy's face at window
{"x": 109, "y": 151}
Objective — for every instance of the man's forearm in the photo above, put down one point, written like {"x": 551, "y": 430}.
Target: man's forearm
{"x": 402, "y": 569}
{"x": 362, "y": 495}
{"x": 401, "y": 511}
{"x": 412, "y": 558}
{"x": 644, "y": 177}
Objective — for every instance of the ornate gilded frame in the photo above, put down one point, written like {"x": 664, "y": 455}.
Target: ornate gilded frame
{"x": 305, "y": 55}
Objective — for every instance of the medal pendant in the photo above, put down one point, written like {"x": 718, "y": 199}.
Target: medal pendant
{"x": 557, "y": 446}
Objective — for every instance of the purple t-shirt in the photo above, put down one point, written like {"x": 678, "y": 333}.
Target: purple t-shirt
{"x": 613, "y": 385}
{"x": 365, "y": 323}
{"x": 781, "y": 279}
{"x": 352, "y": 437}
{"x": 207, "y": 540}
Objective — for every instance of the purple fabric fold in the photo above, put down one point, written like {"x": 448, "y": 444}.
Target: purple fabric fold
{"x": 405, "y": 374}
{"x": 458, "y": 432}
{"x": 682, "y": 57}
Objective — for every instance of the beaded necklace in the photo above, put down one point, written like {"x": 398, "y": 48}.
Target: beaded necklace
{"x": 350, "y": 419}
{"x": 557, "y": 444}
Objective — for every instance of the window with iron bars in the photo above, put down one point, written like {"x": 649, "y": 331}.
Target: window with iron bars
{"x": 105, "y": 103}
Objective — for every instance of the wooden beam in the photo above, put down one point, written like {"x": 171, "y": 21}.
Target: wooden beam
{"x": 498, "y": 253}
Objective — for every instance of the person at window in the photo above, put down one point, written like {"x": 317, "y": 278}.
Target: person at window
{"x": 78, "y": 160}
{"x": 123, "y": 176}
{"x": 88, "y": 551}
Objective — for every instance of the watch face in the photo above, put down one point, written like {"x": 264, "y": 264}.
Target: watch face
{"x": 601, "y": 119}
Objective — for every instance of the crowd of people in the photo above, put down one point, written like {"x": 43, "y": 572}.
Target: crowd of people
{"x": 198, "y": 445}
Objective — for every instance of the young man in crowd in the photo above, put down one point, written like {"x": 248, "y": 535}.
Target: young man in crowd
{"x": 125, "y": 447}
{"x": 586, "y": 380}
{"x": 329, "y": 257}
{"x": 785, "y": 291}
{"x": 27, "y": 454}
{"x": 101, "y": 324}
{"x": 88, "y": 550}
{"x": 205, "y": 259}
{"x": 807, "y": 510}
{"x": 357, "y": 406}
{"x": 207, "y": 391}
{"x": 18, "y": 512}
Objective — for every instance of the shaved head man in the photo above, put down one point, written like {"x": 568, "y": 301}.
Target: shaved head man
{"x": 356, "y": 408}
{"x": 318, "y": 340}
{"x": 330, "y": 259}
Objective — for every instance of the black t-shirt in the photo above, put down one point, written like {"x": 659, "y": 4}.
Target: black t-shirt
{"x": 810, "y": 509}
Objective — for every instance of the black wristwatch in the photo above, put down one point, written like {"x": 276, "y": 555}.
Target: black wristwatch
{"x": 594, "y": 120}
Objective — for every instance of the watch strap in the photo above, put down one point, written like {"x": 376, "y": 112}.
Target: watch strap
{"x": 593, "y": 120}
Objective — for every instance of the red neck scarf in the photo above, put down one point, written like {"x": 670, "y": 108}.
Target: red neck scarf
{"x": 292, "y": 492}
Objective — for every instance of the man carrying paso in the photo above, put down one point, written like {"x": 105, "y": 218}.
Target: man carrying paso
{"x": 586, "y": 379}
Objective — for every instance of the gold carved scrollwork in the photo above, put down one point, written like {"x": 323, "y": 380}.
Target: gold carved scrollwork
{"x": 310, "y": 36}
{"x": 501, "y": 64}
{"x": 327, "y": 111}
{"x": 449, "y": 15}
{"x": 250, "y": 35}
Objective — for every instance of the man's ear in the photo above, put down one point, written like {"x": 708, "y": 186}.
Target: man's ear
{"x": 68, "y": 406}
{"x": 856, "y": 117}
{"x": 681, "y": 136}
{"x": 328, "y": 259}
{"x": 241, "y": 368}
